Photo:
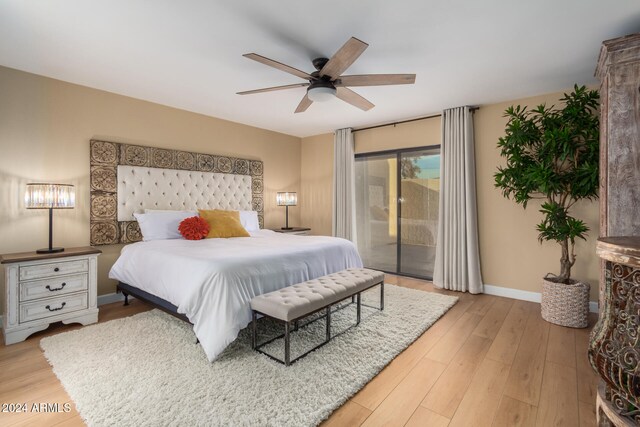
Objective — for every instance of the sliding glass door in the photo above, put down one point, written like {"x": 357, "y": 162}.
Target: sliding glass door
{"x": 397, "y": 195}
{"x": 418, "y": 211}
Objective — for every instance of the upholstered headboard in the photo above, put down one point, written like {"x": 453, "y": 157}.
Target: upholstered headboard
{"x": 128, "y": 178}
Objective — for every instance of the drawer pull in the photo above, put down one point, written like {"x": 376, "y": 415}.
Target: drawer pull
{"x": 56, "y": 289}
{"x": 56, "y": 269}
{"x": 56, "y": 309}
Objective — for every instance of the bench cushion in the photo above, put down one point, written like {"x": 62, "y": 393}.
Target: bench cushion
{"x": 296, "y": 301}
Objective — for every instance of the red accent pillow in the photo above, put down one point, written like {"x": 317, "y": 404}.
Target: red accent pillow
{"x": 194, "y": 228}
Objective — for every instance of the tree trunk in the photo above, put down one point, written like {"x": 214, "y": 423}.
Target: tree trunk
{"x": 565, "y": 263}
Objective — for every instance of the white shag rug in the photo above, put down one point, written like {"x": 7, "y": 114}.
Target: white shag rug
{"x": 147, "y": 370}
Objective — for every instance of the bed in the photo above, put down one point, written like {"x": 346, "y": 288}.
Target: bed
{"x": 208, "y": 282}
{"x": 212, "y": 281}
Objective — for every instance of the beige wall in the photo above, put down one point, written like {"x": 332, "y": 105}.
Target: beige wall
{"x": 511, "y": 256}
{"x": 404, "y": 135}
{"x": 45, "y": 128}
{"x": 46, "y": 125}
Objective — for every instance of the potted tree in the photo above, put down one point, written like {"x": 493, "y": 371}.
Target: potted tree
{"x": 552, "y": 154}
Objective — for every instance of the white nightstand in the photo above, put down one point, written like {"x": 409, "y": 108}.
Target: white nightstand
{"x": 300, "y": 231}
{"x": 45, "y": 288}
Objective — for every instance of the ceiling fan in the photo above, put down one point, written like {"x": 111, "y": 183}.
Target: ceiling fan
{"x": 327, "y": 81}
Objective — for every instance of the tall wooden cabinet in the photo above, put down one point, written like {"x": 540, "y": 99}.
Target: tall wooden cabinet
{"x": 614, "y": 348}
{"x": 619, "y": 73}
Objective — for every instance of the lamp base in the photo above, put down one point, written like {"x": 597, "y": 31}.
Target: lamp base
{"x": 49, "y": 250}
{"x": 286, "y": 228}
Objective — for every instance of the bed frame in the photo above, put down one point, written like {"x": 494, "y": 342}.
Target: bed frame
{"x": 127, "y": 178}
{"x": 152, "y": 300}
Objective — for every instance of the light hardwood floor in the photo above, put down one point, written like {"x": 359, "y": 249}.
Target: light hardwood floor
{"x": 489, "y": 361}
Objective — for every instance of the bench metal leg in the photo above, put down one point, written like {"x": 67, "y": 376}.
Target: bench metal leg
{"x": 254, "y": 330}
{"x": 293, "y": 326}
{"x": 287, "y": 347}
{"x": 328, "y": 323}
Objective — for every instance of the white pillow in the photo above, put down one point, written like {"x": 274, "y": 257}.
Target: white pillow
{"x": 249, "y": 220}
{"x": 168, "y": 210}
{"x": 161, "y": 225}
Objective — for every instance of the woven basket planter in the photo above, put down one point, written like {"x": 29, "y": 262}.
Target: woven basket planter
{"x": 565, "y": 305}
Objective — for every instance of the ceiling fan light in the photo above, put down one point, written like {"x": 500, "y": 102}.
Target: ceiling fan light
{"x": 321, "y": 93}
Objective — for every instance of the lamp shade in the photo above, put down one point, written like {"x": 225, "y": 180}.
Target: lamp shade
{"x": 286, "y": 199}
{"x": 49, "y": 196}
{"x": 321, "y": 94}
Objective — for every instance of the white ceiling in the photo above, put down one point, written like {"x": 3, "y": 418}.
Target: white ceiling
{"x": 188, "y": 54}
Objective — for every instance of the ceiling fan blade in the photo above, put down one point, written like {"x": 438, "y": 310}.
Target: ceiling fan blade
{"x": 376, "y": 80}
{"x": 353, "y": 98}
{"x": 304, "y": 104}
{"x": 343, "y": 58}
{"x": 271, "y": 89}
{"x": 278, "y": 65}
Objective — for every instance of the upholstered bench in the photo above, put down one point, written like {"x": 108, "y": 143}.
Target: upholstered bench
{"x": 295, "y": 302}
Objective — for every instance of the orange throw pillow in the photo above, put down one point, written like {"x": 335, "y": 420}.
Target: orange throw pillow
{"x": 223, "y": 223}
{"x": 194, "y": 228}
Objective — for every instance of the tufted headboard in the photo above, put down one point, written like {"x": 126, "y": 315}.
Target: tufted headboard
{"x": 128, "y": 178}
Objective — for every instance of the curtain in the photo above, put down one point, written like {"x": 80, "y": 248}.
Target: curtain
{"x": 457, "y": 264}
{"x": 344, "y": 198}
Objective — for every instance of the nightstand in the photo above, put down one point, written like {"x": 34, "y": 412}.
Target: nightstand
{"x": 300, "y": 231}
{"x": 41, "y": 289}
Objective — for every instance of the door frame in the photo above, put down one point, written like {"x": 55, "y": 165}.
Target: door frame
{"x": 398, "y": 152}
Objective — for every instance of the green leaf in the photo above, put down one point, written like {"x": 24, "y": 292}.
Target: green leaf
{"x": 552, "y": 152}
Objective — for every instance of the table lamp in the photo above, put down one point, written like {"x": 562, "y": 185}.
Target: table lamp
{"x": 286, "y": 199}
{"x": 49, "y": 196}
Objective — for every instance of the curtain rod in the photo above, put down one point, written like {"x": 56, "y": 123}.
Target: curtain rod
{"x": 407, "y": 121}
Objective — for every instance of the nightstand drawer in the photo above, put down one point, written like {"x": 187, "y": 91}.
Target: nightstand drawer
{"x": 53, "y": 287}
{"x": 53, "y": 269}
{"x": 40, "y": 309}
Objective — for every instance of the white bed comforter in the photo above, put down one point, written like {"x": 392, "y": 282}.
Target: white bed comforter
{"x": 211, "y": 281}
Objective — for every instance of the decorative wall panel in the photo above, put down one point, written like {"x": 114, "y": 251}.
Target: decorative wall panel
{"x": 105, "y": 157}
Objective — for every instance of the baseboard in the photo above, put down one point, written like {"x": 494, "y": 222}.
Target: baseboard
{"x": 488, "y": 289}
{"x": 525, "y": 295}
{"x": 110, "y": 298}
